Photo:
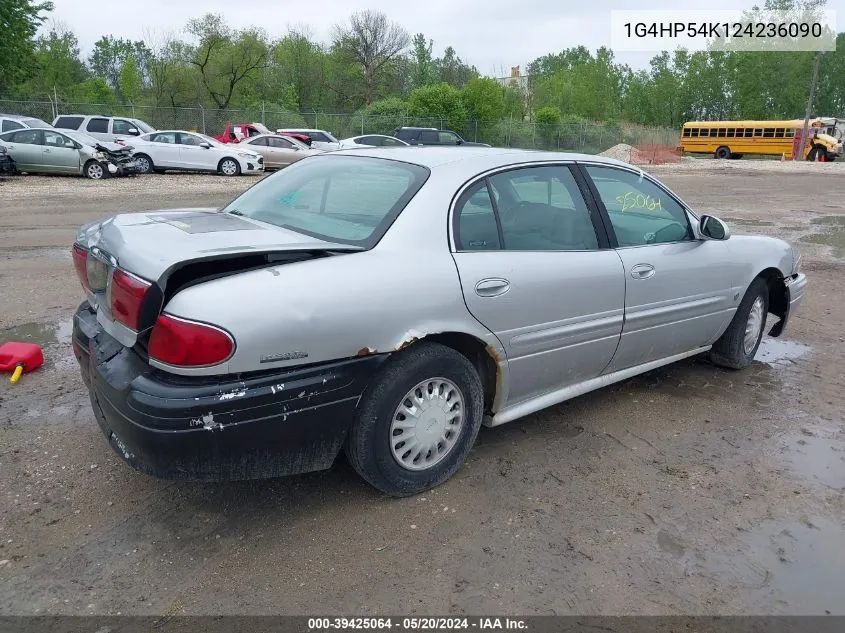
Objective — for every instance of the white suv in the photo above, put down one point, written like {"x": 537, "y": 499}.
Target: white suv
{"x": 104, "y": 128}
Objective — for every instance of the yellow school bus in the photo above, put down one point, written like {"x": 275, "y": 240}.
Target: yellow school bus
{"x": 732, "y": 139}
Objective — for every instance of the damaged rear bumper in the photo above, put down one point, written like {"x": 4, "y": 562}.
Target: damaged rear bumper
{"x": 221, "y": 429}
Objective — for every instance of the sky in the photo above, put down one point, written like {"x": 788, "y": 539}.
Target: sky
{"x": 492, "y": 35}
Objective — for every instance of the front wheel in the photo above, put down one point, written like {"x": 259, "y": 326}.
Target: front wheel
{"x": 94, "y": 170}
{"x": 736, "y": 348}
{"x": 229, "y": 167}
{"x": 417, "y": 421}
{"x": 145, "y": 164}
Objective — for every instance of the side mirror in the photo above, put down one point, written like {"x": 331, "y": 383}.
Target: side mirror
{"x": 134, "y": 131}
{"x": 712, "y": 228}
{"x": 205, "y": 145}
{"x": 459, "y": 142}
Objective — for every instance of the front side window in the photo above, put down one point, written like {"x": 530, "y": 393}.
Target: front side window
{"x": 98, "y": 126}
{"x": 640, "y": 211}
{"x": 54, "y": 139}
{"x": 347, "y": 199}
{"x": 190, "y": 139}
{"x": 319, "y": 137}
{"x": 279, "y": 143}
{"x": 541, "y": 209}
{"x": 120, "y": 126}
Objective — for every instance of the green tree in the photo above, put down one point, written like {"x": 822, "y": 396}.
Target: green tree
{"x": 440, "y": 101}
{"x": 94, "y": 90}
{"x": 484, "y": 99}
{"x": 547, "y": 115}
{"x": 129, "y": 80}
{"x": 59, "y": 69}
{"x": 226, "y": 59}
{"x": 452, "y": 70}
{"x": 19, "y": 21}
{"x": 422, "y": 63}
{"x": 174, "y": 81}
{"x": 110, "y": 54}
{"x": 300, "y": 62}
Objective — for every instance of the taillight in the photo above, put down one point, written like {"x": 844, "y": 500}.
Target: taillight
{"x": 182, "y": 343}
{"x": 125, "y": 296}
{"x": 80, "y": 262}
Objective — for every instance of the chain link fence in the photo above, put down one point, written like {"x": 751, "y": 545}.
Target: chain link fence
{"x": 581, "y": 136}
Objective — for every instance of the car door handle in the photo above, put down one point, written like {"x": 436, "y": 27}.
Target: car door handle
{"x": 46, "y": 150}
{"x": 492, "y": 287}
{"x": 642, "y": 271}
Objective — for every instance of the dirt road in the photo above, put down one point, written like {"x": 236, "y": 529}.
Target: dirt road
{"x": 688, "y": 490}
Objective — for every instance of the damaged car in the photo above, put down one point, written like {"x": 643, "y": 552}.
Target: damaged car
{"x": 7, "y": 165}
{"x": 50, "y": 151}
{"x": 389, "y": 302}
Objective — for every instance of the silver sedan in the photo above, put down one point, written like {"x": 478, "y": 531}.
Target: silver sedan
{"x": 389, "y": 302}
{"x": 278, "y": 150}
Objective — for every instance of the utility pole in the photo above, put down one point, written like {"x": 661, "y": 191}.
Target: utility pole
{"x": 816, "y": 63}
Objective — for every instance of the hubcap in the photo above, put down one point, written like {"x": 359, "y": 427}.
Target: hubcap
{"x": 754, "y": 325}
{"x": 143, "y": 165}
{"x": 229, "y": 168}
{"x": 95, "y": 171}
{"x": 427, "y": 424}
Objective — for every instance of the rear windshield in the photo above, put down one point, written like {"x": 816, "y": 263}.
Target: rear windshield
{"x": 345, "y": 199}
{"x": 146, "y": 128}
{"x": 36, "y": 123}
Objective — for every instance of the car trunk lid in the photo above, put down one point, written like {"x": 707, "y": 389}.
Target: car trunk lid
{"x": 170, "y": 250}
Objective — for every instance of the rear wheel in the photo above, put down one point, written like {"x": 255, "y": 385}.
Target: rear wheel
{"x": 417, "y": 421}
{"x": 722, "y": 152}
{"x": 94, "y": 170}
{"x": 738, "y": 345}
{"x": 229, "y": 167}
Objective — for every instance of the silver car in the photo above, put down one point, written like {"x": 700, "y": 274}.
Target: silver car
{"x": 388, "y": 302}
{"x": 278, "y": 151}
{"x": 51, "y": 151}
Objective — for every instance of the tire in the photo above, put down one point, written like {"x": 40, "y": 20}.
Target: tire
{"x": 229, "y": 167}
{"x": 372, "y": 447}
{"x": 736, "y": 348}
{"x": 94, "y": 170}
{"x": 145, "y": 164}
{"x": 722, "y": 152}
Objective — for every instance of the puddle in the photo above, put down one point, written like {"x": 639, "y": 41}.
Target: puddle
{"x": 834, "y": 236}
{"x": 818, "y": 457}
{"x": 41, "y": 333}
{"x": 776, "y": 351}
{"x": 802, "y": 562}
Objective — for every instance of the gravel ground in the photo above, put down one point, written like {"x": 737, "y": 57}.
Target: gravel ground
{"x": 686, "y": 490}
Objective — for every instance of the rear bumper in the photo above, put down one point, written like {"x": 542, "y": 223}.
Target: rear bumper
{"x": 226, "y": 428}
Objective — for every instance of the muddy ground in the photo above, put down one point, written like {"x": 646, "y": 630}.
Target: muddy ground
{"x": 689, "y": 490}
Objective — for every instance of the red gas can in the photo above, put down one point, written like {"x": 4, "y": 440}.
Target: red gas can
{"x": 20, "y": 358}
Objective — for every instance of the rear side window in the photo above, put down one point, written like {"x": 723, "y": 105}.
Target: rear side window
{"x": 429, "y": 136}
{"x": 27, "y": 137}
{"x": 69, "y": 122}
{"x": 8, "y": 124}
{"x": 476, "y": 228}
{"x": 542, "y": 209}
{"x": 98, "y": 126}
{"x": 352, "y": 200}
{"x": 164, "y": 137}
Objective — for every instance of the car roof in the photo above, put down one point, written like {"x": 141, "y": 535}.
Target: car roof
{"x": 17, "y": 117}
{"x": 482, "y": 157}
{"x": 301, "y": 129}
